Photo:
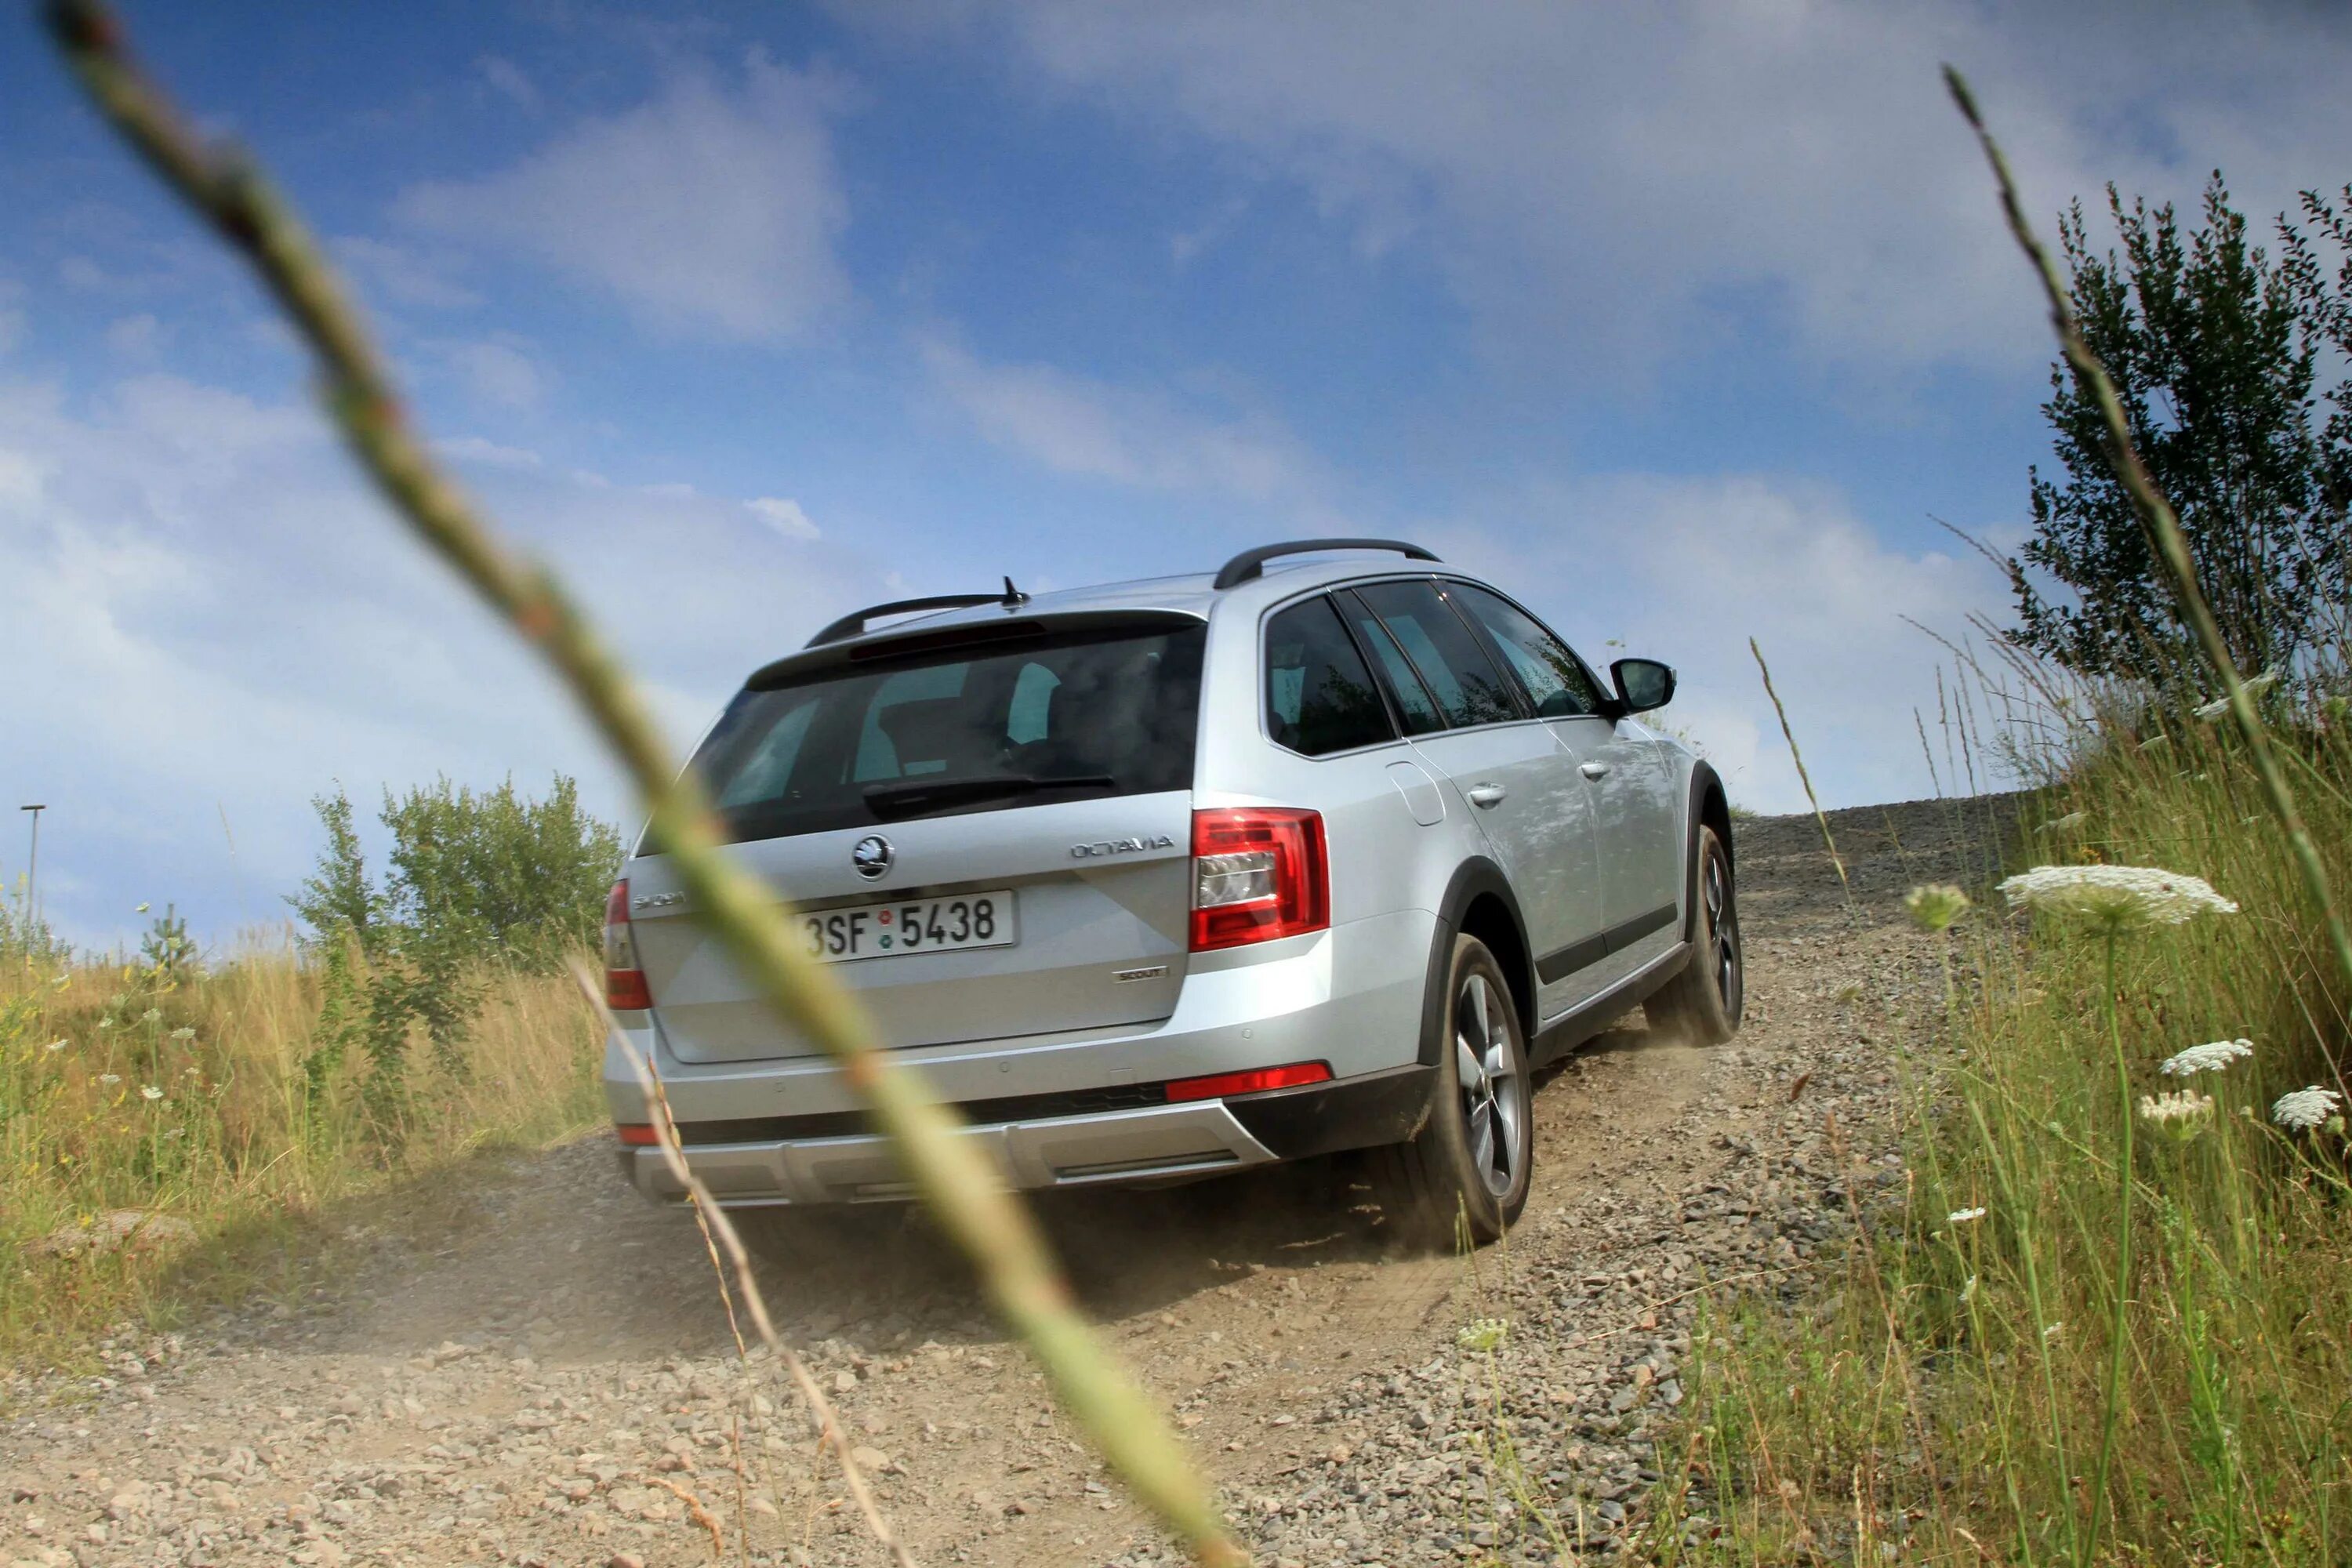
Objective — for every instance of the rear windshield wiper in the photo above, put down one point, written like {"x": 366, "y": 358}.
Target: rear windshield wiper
{"x": 911, "y": 798}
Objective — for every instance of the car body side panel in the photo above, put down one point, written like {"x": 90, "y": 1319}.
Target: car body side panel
{"x": 1637, "y": 815}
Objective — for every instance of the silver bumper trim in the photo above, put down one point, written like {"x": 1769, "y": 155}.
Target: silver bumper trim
{"x": 1154, "y": 1142}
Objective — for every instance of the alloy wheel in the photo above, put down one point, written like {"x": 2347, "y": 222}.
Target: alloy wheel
{"x": 1722, "y": 930}
{"x": 1493, "y": 1101}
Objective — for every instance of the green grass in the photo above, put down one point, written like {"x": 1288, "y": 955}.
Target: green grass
{"x": 236, "y": 1141}
{"x": 1947, "y": 1396}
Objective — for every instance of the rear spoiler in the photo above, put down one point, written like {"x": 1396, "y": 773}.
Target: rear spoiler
{"x": 855, "y": 624}
{"x": 820, "y": 655}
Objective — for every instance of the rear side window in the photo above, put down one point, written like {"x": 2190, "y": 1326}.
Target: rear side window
{"x": 1066, "y": 717}
{"x": 1320, "y": 697}
{"x": 1467, "y": 686}
{"x": 1554, "y": 677}
{"x": 1414, "y": 704}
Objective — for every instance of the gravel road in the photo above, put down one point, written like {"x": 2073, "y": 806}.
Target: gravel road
{"x": 544, "y": 1374}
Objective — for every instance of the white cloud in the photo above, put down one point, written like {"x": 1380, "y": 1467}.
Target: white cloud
{"x": 136, "y": 337}
{"x": 713, "y": 210}
{"x": 505, "y": 78}
{"x": 499, "y": 371}
{"x": 1645, "y": 180}
{"x": 208, "y": 613}
{"x": 1687, "y": 570}
{"x": 1072, "y": 425}
{"x": 478, "y": 449}
{"x": 405, "y": 275}
{"x": 782, "y": 514}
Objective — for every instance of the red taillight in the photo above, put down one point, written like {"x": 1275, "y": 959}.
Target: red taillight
{"x": 1258, "y": 873}
{"x": 624, "y": 983}
{"x": 1217, "y": 1086}
{"x": 637, "y": 1134}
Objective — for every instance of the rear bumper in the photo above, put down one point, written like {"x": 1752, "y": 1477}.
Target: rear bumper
{"x": 1070, "y": 1110}
{"x": 1148, "y": 1143}
{"x": 1079, "y": 1150}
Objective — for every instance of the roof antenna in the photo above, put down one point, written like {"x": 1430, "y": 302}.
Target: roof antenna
{"x": 1013, "y": 596}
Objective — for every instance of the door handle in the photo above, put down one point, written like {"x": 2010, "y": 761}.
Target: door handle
{"x": 1593, "y": 770}
{"x": 1485, "y": 795}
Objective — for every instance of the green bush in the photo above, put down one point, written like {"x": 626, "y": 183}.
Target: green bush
{"x": 495, "y": 877}
{"x": 478, "y": 882}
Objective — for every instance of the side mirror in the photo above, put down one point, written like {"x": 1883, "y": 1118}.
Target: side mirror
{"x": 1643, "y": 684}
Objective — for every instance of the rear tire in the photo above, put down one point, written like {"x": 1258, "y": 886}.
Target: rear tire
{"x": 1702, "y": 1003}
{"x": 1468, "y": 1167}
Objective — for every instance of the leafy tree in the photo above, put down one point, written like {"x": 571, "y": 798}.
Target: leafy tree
{"x": 487, "y": 877}
{"x": 2326, "y": 301}
{"x": 337, "y": 899}
{"x": 497, "y": 876}
{"x": 474, "y": 880}
{"x": 2211, "y": 347}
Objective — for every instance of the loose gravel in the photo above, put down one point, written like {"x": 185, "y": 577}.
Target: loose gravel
{"x": 545, "y": 1375}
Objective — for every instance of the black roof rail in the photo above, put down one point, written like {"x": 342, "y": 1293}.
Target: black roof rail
{"x": 1251, "y": 564}
{"x": 852, "y": 626}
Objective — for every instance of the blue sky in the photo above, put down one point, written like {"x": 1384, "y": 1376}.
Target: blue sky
{"x": 1686, "y": 319}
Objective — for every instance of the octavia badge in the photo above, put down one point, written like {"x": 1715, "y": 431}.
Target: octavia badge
{"x": 872, "y": 856}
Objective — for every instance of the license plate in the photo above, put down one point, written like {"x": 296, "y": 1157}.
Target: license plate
{"x": 918, "y": 925}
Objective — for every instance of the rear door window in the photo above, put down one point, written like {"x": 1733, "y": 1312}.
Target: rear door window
{"x": 1466, "y": 686}
{"x": 1414, "y": 705}
{"x": 1319, "y": 696}
{"x": 1061, "y": 717}
{"x": 1554, "y": 677}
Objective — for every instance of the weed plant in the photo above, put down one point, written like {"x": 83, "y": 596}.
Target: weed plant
{"x": 2064, "y": 1343}
{"x": 219, "y": 1101}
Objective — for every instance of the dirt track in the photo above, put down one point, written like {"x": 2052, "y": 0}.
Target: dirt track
{"x": 553, "y": 1380}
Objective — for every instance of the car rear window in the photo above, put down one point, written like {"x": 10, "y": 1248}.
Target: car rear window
{"x": 1060, "y": 717}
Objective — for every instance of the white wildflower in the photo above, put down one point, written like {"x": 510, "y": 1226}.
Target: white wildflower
{"x": 2181, "y": 1114}
{"x": 2117, "y": 897}
{"x": 1964, "y": 1217}
{"x": 183, "y": 1033}
{"x": 149, "y": 1091}
{"x": 2306, "y": 1108}
{"x": 2253, "y": 688}
{"x": 106, "y": 1023}
{"x": 151, "y": 1016}
{"x": 2206, "y": 1058}
{"x": 1935, "y": 906}
{"x": 2051, "y": 1330}
{"x": 56, "y": 1045}
{"x": 1968, "y": 1290}
{"x": 172, "y": 1133}
{"x": 1482, "y": 1333}
{"x": 110, "y": 1078}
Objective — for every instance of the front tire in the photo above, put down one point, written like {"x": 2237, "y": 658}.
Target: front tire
{"x": 1469, "y": 1165}
{"x": 1702, "y": 1003}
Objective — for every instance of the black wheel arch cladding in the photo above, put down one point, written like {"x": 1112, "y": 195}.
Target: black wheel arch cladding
{"x": 1478, "y": 884}
{"x": 1709, "y": 807}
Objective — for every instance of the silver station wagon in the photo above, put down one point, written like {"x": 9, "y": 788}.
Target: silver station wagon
{"x": 1165, "y": 878}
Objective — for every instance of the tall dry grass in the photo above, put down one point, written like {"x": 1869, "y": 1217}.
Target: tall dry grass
{"x": 197, "y": 1097}
{"x": 1948, "y": 1396}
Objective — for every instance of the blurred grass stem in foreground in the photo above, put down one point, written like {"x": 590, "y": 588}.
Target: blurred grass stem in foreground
{"x": 953, "y": 1175}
